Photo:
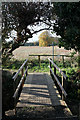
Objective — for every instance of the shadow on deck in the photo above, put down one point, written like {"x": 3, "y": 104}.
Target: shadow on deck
{"x": 40, "y": 99}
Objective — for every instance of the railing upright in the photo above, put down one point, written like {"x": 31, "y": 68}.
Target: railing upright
{"x": 50, "y": 66}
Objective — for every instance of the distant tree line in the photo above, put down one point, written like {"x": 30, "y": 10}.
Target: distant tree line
{"x": 32, "y": 44}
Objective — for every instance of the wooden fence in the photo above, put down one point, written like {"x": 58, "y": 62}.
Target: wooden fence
{"x": 50, "y": 55}
{"x": 21, "y": 83}
{"x": 64, "y": 77}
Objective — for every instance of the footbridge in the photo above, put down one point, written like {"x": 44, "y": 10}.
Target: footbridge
{"x": 41, "y": 91}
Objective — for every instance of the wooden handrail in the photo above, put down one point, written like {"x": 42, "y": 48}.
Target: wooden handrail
{"x": 18, "y": 87}
{"x": 61, "y": 86}
{"x": 15, "y": 76}
{"x": 64, "y": 92}
{"x": 62, "y": 73}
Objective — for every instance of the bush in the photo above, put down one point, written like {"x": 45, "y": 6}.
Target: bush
{"x": 7, "y": 91}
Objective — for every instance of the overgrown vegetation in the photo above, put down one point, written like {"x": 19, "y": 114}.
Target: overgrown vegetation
{"x": 8, "y": 90}
{"x": 67, "y": 25}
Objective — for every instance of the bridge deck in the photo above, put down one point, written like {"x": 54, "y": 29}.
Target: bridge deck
{"x": 40, "y": 90}
{"x": 40, "y": 100}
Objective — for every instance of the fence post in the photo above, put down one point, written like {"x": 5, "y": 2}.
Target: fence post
{"x": 39, "y": 60}
{"x": 63, "y": 61}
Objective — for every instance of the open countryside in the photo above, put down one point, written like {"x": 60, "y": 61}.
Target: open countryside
{"x": 23, "y": 52}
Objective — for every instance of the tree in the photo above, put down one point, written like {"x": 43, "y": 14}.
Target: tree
{"x": 19, "y": 16}
{"x": 67, "y": 25}
{"x": 44, "y": 38}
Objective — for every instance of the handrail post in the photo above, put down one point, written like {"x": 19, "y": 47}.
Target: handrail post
{"x": 63, "y": 84}
{"x": 50, "y": 66}
{"x": 54, "y": 70}
{"x": 14, "y": 100}
{"x": 22, "y": 73}
{"x": 26, "y": 68}
{"x": 63, "y": 87}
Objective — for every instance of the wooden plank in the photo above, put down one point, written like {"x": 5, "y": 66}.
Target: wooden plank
{"x": 43, "y": 92}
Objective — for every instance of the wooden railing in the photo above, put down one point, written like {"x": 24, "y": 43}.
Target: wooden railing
{"x": 64, "y": 78}
{"x": 50, "y": 55}
{"x": 21, "y": 83}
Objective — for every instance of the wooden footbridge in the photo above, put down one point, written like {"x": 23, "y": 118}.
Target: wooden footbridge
{"x": 40, "y": 90}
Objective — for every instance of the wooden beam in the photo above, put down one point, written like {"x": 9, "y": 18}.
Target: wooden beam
{"x": 49, "y": 55}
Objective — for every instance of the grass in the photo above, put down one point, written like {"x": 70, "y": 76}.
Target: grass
{"x": 33, "y": 66}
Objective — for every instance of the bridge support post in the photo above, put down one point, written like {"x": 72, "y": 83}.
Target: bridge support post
{"x": 63, "y": 85}
{"x": 22, "y": 72}
{"x": 50, "y": 66}
{"x": 27, "y": 69}
{"x": 54, "y": 70}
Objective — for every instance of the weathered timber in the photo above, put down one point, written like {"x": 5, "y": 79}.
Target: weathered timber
{"x": 58, "y": 68}
{"x": 15, "y": 76}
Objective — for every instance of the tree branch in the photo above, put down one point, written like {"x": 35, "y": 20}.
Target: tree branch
{"x": 41, "y": 30}
{"x": 49, "y": 24}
